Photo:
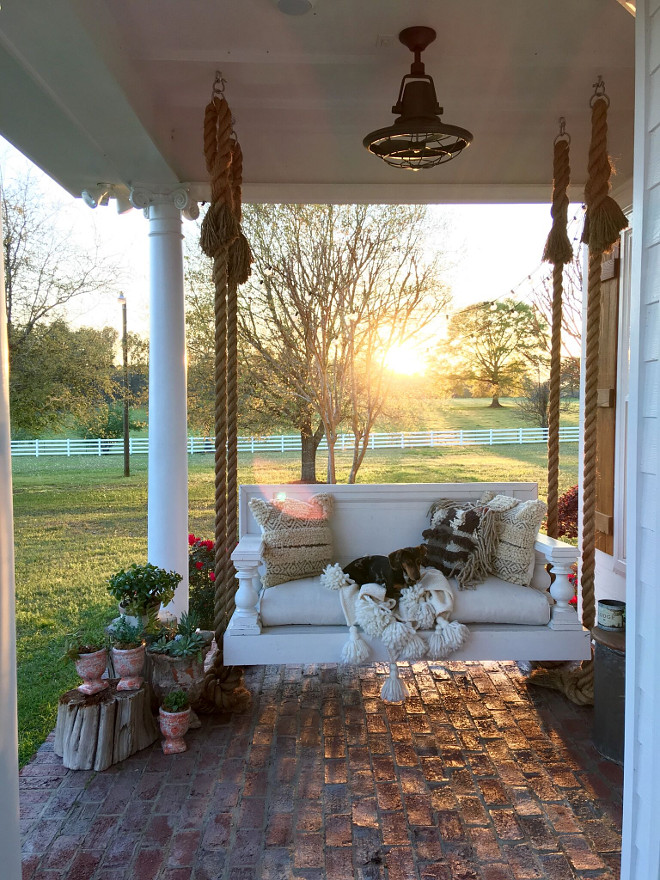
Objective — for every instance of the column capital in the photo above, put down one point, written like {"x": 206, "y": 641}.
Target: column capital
{"x": 144, "y": 196}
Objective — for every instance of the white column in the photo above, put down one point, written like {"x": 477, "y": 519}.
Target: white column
{"x": 168, "y": 455}
{"x": 10, "y": 840}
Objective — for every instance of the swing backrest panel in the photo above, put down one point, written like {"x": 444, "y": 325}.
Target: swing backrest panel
{"x": 376, "y": 518}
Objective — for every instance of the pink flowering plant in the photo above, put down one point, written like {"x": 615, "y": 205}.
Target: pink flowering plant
{"x": 201, "y": 576}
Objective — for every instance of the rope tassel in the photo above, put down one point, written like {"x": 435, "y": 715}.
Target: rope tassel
{"x": 604, "y": 219}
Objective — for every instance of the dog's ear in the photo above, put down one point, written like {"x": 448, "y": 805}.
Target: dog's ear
{"x": 395, "y": 559}
{"x": 422, "y": 551}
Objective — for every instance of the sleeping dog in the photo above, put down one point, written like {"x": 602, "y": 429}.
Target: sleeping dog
{"x": 395, "y": 571}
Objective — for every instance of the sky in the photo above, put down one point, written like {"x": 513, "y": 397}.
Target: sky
{"x": 494, "y": 248}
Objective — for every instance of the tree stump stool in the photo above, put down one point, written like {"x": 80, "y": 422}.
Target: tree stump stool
{"x": 94, "y": 732}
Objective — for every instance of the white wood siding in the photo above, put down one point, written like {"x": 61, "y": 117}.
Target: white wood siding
{"x": 641, "y": 840}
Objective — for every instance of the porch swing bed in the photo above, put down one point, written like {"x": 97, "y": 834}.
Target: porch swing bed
{"x": 301, "y": 621}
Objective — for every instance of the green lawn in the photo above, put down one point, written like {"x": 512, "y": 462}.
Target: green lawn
{"x": 77, "y": 520}
{"x": 421, "y": 413}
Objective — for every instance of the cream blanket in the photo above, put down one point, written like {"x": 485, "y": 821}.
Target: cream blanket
{"x": 424, "y": 606}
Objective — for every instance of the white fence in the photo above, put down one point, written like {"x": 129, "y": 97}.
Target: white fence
{"x": 291, "y": 442}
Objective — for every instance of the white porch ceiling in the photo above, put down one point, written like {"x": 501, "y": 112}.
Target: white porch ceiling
{"x": 114, "y": 91}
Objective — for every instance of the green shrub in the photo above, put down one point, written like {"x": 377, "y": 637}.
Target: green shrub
{"x": 141, "y": 586}
{"x": 176, "y": 701}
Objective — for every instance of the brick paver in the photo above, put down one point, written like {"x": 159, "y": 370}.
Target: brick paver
{"x": 475, "y": 777}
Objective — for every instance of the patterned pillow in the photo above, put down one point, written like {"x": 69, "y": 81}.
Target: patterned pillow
{"x": 518, "y": 523}
{"x": 297, "y": 537}
{"x": 461, "y": 541}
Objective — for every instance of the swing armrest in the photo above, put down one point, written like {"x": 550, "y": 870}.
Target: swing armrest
{"x": 561, "y": 557}
{"x": 555, "y": 551}
{"x": 248, "y": 551}
{"x": 247, "y": 558}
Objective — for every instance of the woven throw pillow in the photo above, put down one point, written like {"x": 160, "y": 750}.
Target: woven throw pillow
{"x": 461, "y": 541}
{"x": 297, "y": 537}
{"x": 518, "y": 523}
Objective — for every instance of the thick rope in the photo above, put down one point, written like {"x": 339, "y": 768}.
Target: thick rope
{"x": 587, "y": 573}
{"x": 222, "y": 601}
{"x": 604, "y": 221}
{"x": 558, "y": 251}
{"x": 223, "y": 685}
{"x": 231, "y": 390}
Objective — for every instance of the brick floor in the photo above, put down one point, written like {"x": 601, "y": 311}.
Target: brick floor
{"x": 475, "y": 777}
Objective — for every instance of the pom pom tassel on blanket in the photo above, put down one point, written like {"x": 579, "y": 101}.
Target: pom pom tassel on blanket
{"x": 447, "y": 638}
{"x": 424, "y": 605}
{"x": 356, "y": 649}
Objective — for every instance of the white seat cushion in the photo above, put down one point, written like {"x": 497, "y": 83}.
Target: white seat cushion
{"x": 306, "y": 602}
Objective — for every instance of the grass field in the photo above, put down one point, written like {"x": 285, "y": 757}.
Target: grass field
{"x": 77, "y": 520}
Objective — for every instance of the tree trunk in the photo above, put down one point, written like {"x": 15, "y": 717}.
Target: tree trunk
{"x": 309, "y": 443}
{"x": 359, "y": 451}
{"x": 331, "y": 438}
{"x": 495, "y": 402}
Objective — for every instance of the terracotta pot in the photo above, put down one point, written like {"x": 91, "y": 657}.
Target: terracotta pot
{"x": 90, "y": 667}
{"x": 128, "y": 666}
{"x": 173, "y": 726}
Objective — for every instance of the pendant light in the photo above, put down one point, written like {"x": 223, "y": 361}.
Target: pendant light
{"x": 418, "y": 138}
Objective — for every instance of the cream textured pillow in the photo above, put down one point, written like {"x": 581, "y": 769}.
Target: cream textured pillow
{"x": 518, "y": 523}
{"x": 297, "y": 537}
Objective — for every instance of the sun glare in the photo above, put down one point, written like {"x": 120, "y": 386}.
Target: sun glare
{"x": 405, "y": 359}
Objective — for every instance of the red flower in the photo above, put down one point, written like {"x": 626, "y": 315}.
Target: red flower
{"x": 191, "y": 539}
{"x": 199, "y": 565}
{"x": 573, "y": 601}
{"x": 211, "y": 576}
{"x": 208, "y": 544}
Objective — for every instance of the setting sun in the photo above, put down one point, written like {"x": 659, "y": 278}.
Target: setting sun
{"x": 405, "y": 359}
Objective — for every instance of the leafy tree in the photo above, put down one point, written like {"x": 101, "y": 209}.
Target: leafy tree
{"x": 58, "y": 372}
{"x": 494, "y": 345}
{"x": 570, "y": 376}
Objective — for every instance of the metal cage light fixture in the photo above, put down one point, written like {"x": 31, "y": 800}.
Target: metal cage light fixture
{"x": 418, "y": 138}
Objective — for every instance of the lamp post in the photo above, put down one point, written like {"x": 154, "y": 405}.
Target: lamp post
{"x": 124, "y": 345}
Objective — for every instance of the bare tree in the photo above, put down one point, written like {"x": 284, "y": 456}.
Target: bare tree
{"x": 541, "y": 290}
{"x": 534, "y": 402}
{"x": 334, "y": 287}
{"x": 44, "y": 266}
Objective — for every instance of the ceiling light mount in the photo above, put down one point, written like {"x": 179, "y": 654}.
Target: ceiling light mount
{"x": 418, "y": 138}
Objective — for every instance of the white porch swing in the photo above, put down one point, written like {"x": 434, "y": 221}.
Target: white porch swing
{"x": 302, "y": 622}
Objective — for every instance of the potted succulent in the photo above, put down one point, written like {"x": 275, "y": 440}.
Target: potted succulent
{"x": 127, "y": 654}
{"x": 174, "y": 718}
{"x": 89, "y": 651}
{"x": 142, "y": 588}
{"x": 176, "y": 657}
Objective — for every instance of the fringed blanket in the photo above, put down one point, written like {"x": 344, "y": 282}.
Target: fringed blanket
{"x": 424, "y": 606}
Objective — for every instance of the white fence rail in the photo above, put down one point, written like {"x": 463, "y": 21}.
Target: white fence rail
{"x": 291, "y": 442}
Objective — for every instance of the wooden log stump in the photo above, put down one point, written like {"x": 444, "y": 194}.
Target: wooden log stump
{"x": 94, "y": 732}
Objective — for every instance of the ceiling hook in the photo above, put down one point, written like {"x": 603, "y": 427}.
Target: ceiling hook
{"x": 219, "y": 84}
{"x": 599, "y": 92}
{"x": 563, "y": 134}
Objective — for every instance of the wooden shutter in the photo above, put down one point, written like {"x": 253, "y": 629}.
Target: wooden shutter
{"x": 606, "y": 418}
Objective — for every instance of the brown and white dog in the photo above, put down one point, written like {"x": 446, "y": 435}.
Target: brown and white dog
{"x": 394, "y": 571}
